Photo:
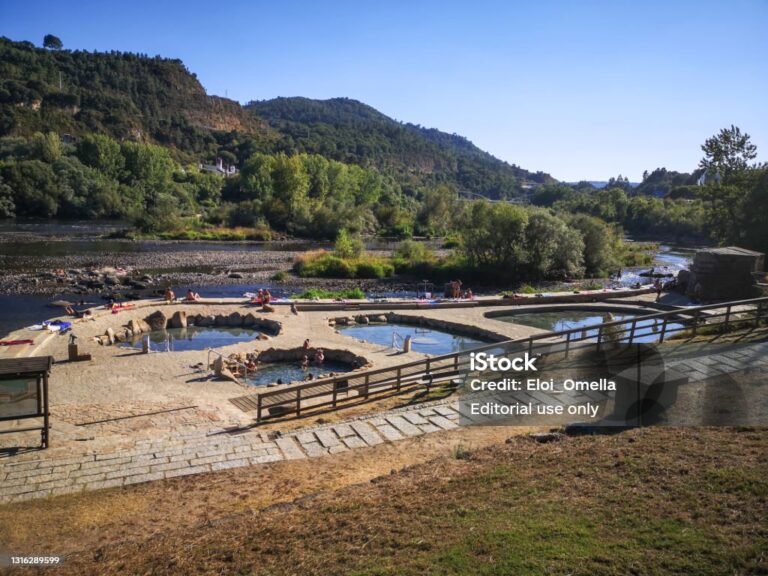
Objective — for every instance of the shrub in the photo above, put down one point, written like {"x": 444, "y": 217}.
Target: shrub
{"x": 350, "y": 294}
{"x": 280, "y": 276}
{"x": 348, "y": 246}
{"x": 374, "y": 269}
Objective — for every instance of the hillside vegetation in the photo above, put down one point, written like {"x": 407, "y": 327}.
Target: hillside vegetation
{"x": 350, "y": 131}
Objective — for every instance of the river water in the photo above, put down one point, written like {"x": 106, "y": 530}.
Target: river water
{"x": 29, "y": 246}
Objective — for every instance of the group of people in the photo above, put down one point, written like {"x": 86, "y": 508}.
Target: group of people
{"x": 262, "y": 298}
{"x": 170, "y": 296}
{"x": 311, "y": 357}
{"x": 453, "y": 290}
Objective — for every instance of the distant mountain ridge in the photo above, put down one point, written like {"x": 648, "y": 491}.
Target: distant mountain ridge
{"x": 350, "y": 131}
{"x": 153, "y": 99}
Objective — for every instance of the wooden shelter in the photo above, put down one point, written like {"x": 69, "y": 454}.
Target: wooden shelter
{"x": 725, "y": 273}
{"x": 24, "y": 394}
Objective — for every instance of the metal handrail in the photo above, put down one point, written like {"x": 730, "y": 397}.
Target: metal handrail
{"x": 457, "y": 358}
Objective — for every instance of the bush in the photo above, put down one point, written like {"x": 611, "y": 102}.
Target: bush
{"x": 348, "y": 246}
{"x": 322, "y": 264}
{"x": 350, "y": 294}
{"x": 280, "y": 276}
{"x": 374, "y": 269}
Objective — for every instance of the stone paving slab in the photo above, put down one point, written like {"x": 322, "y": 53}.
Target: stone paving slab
{"x": 198, "y": 453}
{"x": 202, "y": 451}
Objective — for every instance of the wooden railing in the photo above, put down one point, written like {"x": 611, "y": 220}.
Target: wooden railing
{"x": 357, "y": 387}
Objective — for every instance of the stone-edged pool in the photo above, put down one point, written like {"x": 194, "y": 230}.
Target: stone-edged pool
{"x": 647, "y": 331}
{"x": 193, "y": 338}
{"x": 425, "y": 340}
{"x": 287, "y": 372}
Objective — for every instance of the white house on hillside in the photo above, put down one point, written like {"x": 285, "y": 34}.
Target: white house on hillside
{"x": 219, "y": 168}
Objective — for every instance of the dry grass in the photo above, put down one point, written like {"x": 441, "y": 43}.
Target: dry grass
{"x": 651, "y": 501}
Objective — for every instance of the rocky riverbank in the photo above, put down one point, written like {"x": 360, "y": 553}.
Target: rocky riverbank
{"x": 130, "y": 275}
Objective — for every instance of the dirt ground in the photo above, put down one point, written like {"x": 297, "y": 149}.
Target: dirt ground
{"x": 646, "y": 501}
{"x": 74, "y": 525}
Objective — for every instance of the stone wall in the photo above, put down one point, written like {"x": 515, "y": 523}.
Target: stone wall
{"x": 438, "y": 324}
{"x": 158, "y": 320}
{"x": 296, "y": 354}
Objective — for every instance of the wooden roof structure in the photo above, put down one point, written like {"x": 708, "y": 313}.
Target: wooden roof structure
{"x": 32, "y": 365}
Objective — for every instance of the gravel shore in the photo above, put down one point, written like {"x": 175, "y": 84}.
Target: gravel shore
{"x": 60, "y": 266}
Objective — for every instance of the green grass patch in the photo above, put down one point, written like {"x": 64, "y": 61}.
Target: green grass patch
{"x": 211, "y": 234}
{"x": 322, "y": 264}
{"x": 319, "y": 293}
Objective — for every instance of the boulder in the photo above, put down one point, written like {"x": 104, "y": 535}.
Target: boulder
{"x": 267, "y": 308}
{"x": 236, "y": 275}
{"x": 362, "y": 319}
{"x": 111, "y": 280}
{"x": 262, "y": 336}
{"x": 178, "y": 320}
{"x": 157, "y": 321}
{"x": 205, "y": 320}
{"x": 235, "y": 319}
{"x": 380, "y": 318}
{"x": 220, "y": 320}
{"x": 249, "y": 320}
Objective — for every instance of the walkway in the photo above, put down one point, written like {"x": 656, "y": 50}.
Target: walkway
{"x": 197, "y": 453}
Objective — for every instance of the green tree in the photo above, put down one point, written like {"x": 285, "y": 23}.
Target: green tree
{"x": 438, "y": 210}
{"x": 52, "y": 42}
{"x": 102, "y": 153}
{"x": 728, "y": 152}
{"x": 7, "y": 205}
{"x": 347, "y": 246}
{"x": 46, "y": 147}
{"x": 493, "y": 236}
{"x": 600, "y": 241}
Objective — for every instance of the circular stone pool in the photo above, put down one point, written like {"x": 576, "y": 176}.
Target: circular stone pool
{"x": 567, "y": 319}
{"x": 193, "y": 338}
{"x": 286, "y": 372}
{"x": 423, "y": 339}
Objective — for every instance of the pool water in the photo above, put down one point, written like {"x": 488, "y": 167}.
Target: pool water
{"x": 425, "y": 340}
{"x": 647, "y": 330}
{"x": 193, "y": 338}
{"x": 292, "y": 372}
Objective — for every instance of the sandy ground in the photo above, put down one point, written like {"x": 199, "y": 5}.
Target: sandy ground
{"x": 120, "y": 382}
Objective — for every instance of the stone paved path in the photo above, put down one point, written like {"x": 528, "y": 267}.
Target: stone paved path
{"x": 200, "y": 452}
{"x": 197, "y": 453}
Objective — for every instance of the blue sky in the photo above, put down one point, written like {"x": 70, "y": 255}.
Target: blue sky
{"x": 579, "y": 89}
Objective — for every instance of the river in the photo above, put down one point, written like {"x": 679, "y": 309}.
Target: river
{"x": 30, "y": 246}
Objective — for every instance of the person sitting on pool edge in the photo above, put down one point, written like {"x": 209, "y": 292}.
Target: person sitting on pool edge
{"x": 192, "y": 296}
{"x": 169, "y": 295}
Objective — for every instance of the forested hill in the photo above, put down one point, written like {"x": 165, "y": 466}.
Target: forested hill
{"x": 350, "y": 131}
{"x": 122, "y": 95}
{"x": 154, "y": 100}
